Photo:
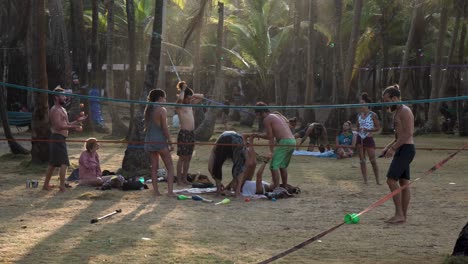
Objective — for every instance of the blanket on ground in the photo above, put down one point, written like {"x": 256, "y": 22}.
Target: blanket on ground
{"x": 326, "y": 154}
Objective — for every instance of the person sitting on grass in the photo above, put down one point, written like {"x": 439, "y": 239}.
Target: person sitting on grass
{"x": 345, "y": 142}
{"x": 90, "y": 168}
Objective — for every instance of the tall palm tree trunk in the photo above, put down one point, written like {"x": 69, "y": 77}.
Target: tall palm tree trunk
{"x": 162, "y": 63}
{"x": 462, "y": 106}
{"x": 79, "y": 40}
{"x": 132, "y": 60}
{"x": 15, "y": 147}
{"x": 309, "y": 114}
{"x": 136, "y": 159}
{"x": 13, "y": 30}
{"x": 349, "y": 66}
{"x": 337, "y": 116}
{"x": 291, "y": 98}
{"x": 405, "y": 73}
{"x": 94, "y": 44}
{"x": 432, "y": 123}
{"x": 63, "y": 63}
{"x": 40, "y": 116}
{"x": 118, "y": 128}
{"x": 206, "y": 128}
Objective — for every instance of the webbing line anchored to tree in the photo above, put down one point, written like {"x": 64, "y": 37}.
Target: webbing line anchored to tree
{"x": 369, "y": 208}
{"x": 139, "y": 144}
{"x": 422, "y": 101}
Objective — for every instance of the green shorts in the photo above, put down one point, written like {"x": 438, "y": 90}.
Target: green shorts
{"x": 283, "y": 153}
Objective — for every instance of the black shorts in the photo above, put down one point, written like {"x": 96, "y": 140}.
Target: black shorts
{"x": 58, "y": 154}
{"x": 185, "y": 140}
{"x": 400, "y": 166}
{"x": 231, "y": 145}
{"x": 367, "y": 142}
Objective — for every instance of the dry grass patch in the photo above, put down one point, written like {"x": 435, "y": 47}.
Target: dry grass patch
{"x": 48, "y": 227}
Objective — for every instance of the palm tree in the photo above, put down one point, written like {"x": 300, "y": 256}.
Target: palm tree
{"x": 432, "y": 123}
{"x": 118, "y": 128}
{"x": 40, "y": 116}
{"x": 59, "y": 49}
{"x": 132, "y": 57}
{"x": 261, "y": 34}
{"x": 136, "y": 158}
{"x": 351, "y": 55}
{"x": 94, "y": 44}
{"x": 310, "y": 93}
{"x": 206, "y": 128}
{"x": 462, "y": 106}
{"x": 78, "y": 37}
{"x": 291, "y": 98}
{"x": 14, "y": 28}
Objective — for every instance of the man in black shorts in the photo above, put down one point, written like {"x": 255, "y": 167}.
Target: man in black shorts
{"x": 58, "y": 155}
{"x": 403, "y": 151}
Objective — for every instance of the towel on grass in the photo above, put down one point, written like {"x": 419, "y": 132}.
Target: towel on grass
{"x": 326, "y": 154}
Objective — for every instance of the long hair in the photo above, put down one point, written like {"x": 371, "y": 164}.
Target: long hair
{"x": 153, "y": 96}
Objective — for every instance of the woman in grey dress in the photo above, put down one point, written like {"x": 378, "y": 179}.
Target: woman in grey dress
{"x": 158, "y": 140}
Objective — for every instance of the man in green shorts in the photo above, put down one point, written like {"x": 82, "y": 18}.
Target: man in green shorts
{"x": 277, "y": 129}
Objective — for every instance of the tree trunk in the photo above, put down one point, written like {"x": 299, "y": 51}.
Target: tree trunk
{"x": 349, "y": 66}
{"x": 80, "y": 56}
{"x": 432, "y": 124}
{"x": 13, "y": 30}
{"x": 40, "y": 116}
{"x": 196, "y": 59}
{"x": 385, "y": 21}
{"x": 15, "y": 147}
{"x": 405, "y": 73}
{"x": 94, "y": 45}
{"x": 206, "y": 128}
{"x": 132, "y": 61}
{"x": 309, "y": 114}
{"x": 293, "y": 78}
{"x": 60, "y": 42}
{"x": 136, "y": 159}
{"x": 462, "y": 106}
{"x": 162, "y": 63}
{"x": 118, "y": 128}
{"x": 337, "y": 116}
{"x": 451, "y": 54}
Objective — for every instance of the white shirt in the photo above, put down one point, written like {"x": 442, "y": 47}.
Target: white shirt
{"x": 250, "y": 188}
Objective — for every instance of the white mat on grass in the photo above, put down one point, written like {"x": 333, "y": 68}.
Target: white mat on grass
{"x": 196, "y": 190}
{"x": 326, "y": 154}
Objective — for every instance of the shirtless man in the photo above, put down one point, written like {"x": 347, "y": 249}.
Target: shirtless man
{"x": 186, "y": 136}
{"x": 402, "y": 150}
{"x": 277, "y": 128}
{"x": 58, "y": 155}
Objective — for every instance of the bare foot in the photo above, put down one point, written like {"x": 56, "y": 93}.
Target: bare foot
{"x": 48, "y": 188}
{"x": 63, "y": 189}
{"x": 157, "y": 193}
{"x": 171, "y": 194}
{"x": 396, "y": 220}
